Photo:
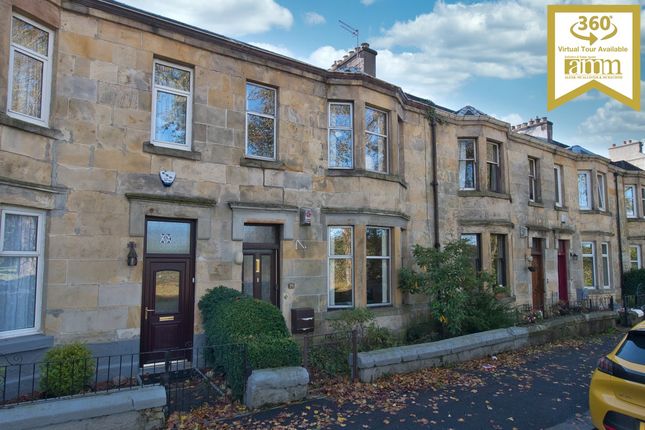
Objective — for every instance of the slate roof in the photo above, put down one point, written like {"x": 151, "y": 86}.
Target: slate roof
{"x": 626, "y": 165}
{"x": 470, "y": 110}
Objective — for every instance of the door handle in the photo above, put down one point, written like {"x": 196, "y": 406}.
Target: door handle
{"x": 146, "y": 310}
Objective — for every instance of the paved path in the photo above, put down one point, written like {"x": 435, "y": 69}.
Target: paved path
{"x": 548, "y": 391}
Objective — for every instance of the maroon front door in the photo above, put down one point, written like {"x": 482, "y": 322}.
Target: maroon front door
{"x": 167, "y": 305}
{"x": 537, "y": 275}
{"x": 563, "y": 279}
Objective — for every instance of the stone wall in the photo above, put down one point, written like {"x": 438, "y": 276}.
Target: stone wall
{"x": 139, "y": 408}
{"x": 276, "y": 386}
{"x": 405, "y": 359}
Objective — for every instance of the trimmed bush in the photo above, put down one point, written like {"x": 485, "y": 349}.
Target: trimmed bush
{"x": 235, "y": 324}
{"x": 632, "y": 280}
{"x": 67, "y": 369}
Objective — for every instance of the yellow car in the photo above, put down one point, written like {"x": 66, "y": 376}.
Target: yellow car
{"x": 617, "y": 391}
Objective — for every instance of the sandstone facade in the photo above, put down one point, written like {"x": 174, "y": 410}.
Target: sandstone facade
{"x": 94, "y": 174}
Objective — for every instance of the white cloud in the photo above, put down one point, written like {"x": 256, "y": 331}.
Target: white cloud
{"x": 313, "y": 18}
{"x": 511, "y": 118}
{"x": 325, "y": 56}
{"x": 613, "y": 122}
{"x": 367, "y": 2}
{"x": 226, "y": 17}
{"x": 278, "y": 49}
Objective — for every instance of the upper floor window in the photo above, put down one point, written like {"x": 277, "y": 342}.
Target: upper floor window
{"x": 21, "y": 266}
{"x": 602, "y": 191}
{"x": 341, "y": 272}
{"x": 377, "y": 244}
{"x": 375, "y": 140}
{"x": 588, "y": 264}
{"x": 557, "y": 172}
{"x": 341, "y": 136}
{"x": 635, "y": 257}
{"x": 534, "y": 186}
{"x": 584, "y": 190}
{"x": 498, "y": 257}
{"x": 474, "y": 240}
{"x": 260, "y": 121}
{"x": 467, "y": 164}
{"x": 30, "y": 58}
{"x": 494, "y": 170}
{"x": 630, "y": 201}
{"x": 643, "y": 201}
{"x": 172, "y": 105}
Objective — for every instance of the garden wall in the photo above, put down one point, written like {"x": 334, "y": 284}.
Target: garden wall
{"x": 138, "y": 408}
{"x": 374, "y": 364}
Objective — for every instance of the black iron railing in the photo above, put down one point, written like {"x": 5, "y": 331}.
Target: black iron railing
{"x": 553, "y": 308}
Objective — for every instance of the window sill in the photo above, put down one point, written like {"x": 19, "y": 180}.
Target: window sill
{"x": 262, "y": 164}
{"x": 561, "y": 208}
{"x": 536, "y": 204}
{"x": 170, "y": 152}
{"x": 29, "y": 127}
{"x": 477, "y": 193}
{"x": 635, "y": 219}
{"x": 360, "y": 173}
{"x": 594, "y": 212}
{"x": 20, "y": 344}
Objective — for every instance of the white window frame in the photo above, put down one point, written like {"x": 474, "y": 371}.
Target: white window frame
{"x": 384, "y": 136}
{"x": 601, "y": 184}
{"x": 387, "y": 257}
{"x": 350, "y": 129}
{"x": 45, "y": 99}
{"x": 557, "y": 171}
{"x": 638, "y": 261}
{"x": 587, "y": 174}
{"x": 467, "y": 160}
{"x": 594, "y": 265}
{"x": 533, "y": 179}
{"x": 643, "y": 202}
{"x": 634, "y": 212}
{"x": 350, "y": 257}
{"x": 497, "y": 167}
{"x": 606, "y": 263}
{"x": 189, "y": 106}
{"x": 274, "y": 117}
{"x": 40, "y": 264}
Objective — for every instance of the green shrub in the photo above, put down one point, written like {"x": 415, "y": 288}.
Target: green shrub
{"x": 422, "y": 331}
{"x": 235, "y": 324}
{"x": 66, "y": 370}
{"x": 632, "y": 280}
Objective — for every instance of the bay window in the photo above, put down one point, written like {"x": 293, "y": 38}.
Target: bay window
{"x": 341, "y": 136}
{"x": 340, "y": 261}
{"x": 467, "y": 164}
{"x": 375, "y": 140}
{"x": 378, "y": 265}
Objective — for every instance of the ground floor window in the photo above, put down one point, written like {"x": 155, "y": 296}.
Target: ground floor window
{"x": 498, "y": 257}
{"x": 635, "y": 257}
{"x": 588, "y": 264}
{"x": 606, "y": 265}
{"x": 378, "y": 265}
{"x": 474, "y": 240}
{"x": 21, "y": 260}
{"x": 341, "y": 272}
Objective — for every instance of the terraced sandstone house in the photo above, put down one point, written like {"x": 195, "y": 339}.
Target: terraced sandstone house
{"x": 143, "y": 161}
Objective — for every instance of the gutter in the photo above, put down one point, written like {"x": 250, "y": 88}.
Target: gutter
{"x": 435, "y": 184}
{"x": 620, "y": 249}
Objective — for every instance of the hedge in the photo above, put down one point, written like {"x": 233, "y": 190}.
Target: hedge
{"x": 632, "y": 280}
{"x": 236, "y": 324}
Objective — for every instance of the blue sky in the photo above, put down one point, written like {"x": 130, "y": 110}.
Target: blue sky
{"x": 489, "y": 54}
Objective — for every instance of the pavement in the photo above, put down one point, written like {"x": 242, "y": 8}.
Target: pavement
{"x": 548, "y": 391}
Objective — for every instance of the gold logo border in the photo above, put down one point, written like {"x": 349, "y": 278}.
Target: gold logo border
{"x": 635, "y": 101}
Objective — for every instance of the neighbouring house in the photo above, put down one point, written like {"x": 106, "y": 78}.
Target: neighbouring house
{"x": 143, "y": 161}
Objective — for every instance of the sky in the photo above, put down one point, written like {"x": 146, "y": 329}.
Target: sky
{"x": 490, "y": 54}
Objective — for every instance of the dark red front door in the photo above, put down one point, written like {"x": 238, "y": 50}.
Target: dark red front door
{"x": 537, "y": 275}
{"x": 168, "y": 289}
{"x": 563, "y": 278}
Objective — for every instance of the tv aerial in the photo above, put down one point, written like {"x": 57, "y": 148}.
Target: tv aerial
{"x": 353, "y": 31}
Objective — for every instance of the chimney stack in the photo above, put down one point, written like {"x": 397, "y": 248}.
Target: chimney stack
{"x": 536, "y": 127}
{"x": 361, "y": 59}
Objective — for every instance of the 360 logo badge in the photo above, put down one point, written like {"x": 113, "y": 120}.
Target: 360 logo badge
{"x": 593, "y": 46}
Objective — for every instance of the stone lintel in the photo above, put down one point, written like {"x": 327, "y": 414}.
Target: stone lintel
{"x": 537, "y": 227}
{"x": 596, "y": 233}
{"x": 28, "y": 194}
{"x": 478, "y": 193}
{"x": 262, "y": 164}
{"x": 263, "y": 213}
{"x": 363, "y": 216}
{"x": 487, "y": 222}
{"x": 141, "y": 205}
{"x": 366, "y": 174}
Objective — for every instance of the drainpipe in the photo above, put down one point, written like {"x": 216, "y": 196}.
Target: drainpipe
{"x": 435, "y": 184}
{"x": 620, "y": 248}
